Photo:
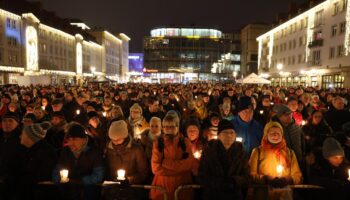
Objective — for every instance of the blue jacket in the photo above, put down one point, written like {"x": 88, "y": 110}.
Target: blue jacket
{"x": 250, "y": 132}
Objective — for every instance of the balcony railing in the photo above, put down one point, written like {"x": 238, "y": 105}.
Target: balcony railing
{"x": 316, "y": 43}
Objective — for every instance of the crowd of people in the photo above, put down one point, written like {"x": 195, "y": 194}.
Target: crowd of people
{"x": 235, "y": 141}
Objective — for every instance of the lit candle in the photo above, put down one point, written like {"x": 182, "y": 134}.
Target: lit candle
{"x": 104, "y": 114}
{"x": 64, "y": 175}
{"x": 195, "y": 97}
{"x": 197, "y": 154}
{"x": 279, "y": 170}
{"x": 154, "y": 93}
{"x": 349, "y": 175}
{"x": 261, "y": 112}
{"x": 215, "y": 137}
{"x": 121, "y": 174}
{"x": 78, "y": 112}
{"x": 177, "y": 99}
{"x": 303, "y": 122}
{"x": 272, "y": 103}
{"x": 286, "y": 99}
{"x": 239, "y": 139}
{"x": 172, "y": 105}
{"x": 43, "y": 107}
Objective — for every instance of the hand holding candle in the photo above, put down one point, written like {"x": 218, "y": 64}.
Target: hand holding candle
{"x": 261, "y": 112}
{"x": 104, "y": 114}
{"x": 239, "y": 139}
{"x": 78, "y": 112}
{"x": 197, "y": 155}
{"x": 121, "y": 175}
{"x": 279, "y": 170}
{"x": 64, "y": 175}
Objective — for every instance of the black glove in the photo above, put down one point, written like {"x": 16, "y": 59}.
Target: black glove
{"x": 279, "y": 182}
{"x": 124, "y": 183}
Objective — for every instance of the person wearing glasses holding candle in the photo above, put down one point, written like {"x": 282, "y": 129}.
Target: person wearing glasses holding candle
{"x": 223, "y": 170}
{"x": 273, "y": 163}
{"x": 172, "y": 160}
{"x": 332, "y": 172}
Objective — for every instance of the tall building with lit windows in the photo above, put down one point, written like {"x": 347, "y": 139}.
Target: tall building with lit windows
{"x": 310, "y": 48}
{"x": 183, "y": 54}
{"x": 36, "y": 42}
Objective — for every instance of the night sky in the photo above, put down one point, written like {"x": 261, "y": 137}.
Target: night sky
{"x": 137, "y": 17}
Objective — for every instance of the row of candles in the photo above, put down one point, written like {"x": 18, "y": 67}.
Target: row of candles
{"x": 121, "y": 172}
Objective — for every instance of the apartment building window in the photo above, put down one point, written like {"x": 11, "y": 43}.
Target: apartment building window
{"x": 301, "y": 24}
{"x": 288, "y": 60}
{"x": 300, "y": 41}
{"x": 293, "y": 60}
{"x": 290, "y": 44}
{"x": 331, "y": 52}
{"x": 289, "y": 81}
{"x": 303, "y": 81}
{"x": 326, "y": 81}
{"x": 296, "y": 81}
{"x": 8, "y": 23}
{"x": 334, "y": 30}
{"x": 316, "y": 56}
{"x": 342, "y": 27}
{"x": 314, "y": 81}
{"x": 294, "y": 44}
{"x": 338, "y": 81}
{"x": 13, "y": 24}
{"x": 299, "y": 58}
{"x": 285, "y": 46}
{"x": 340, "y": 51}
{"x": 336, "y": 8}
{"x": 319, "y": 18}
{"x": 344, "y": 4}
{"x": 306, "y": 22}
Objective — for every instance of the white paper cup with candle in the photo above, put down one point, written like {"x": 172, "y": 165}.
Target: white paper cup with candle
{"x": 279, "y": 170}
{"x": 349, "y": 175}
{"x": 197, "y": 154}
{"x": 239, "y": 139}
{"x": 78, "y": 112}
{"x": 64, "y": 175}
{"x": 121, "y": 175}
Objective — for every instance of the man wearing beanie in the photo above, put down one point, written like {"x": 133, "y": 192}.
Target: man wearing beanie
{"x": 83, "y": 160}
{"x": 40, "y": 159}
{"x": 55, "y": 134}
{"x": 11, "y": 154}
{"x": 223, "y": 171}
{"x": 331, "y": 172}
{"x": 247, "y": 128}
{"x": 124, "y": 153}
{"x": 293, "y": 134}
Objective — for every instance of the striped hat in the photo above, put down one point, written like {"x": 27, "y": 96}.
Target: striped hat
{"x": 35, "y": 132}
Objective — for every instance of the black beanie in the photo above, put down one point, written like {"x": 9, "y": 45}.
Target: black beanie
{"x": 225, "y": 124}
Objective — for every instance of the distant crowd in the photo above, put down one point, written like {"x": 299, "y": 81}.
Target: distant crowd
{"x": 235, "y": 141}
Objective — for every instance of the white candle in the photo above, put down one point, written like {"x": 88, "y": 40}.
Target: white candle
{"x": 43, "y": 107}
{"x": 279, "y": 170}
{"x": 239, "y": 139}
{"x": 286, "y": 99}
{"x": 215, "y": 137}
{"x": 272, "y": 103}
{"x": 303, "y": 122}
{"x": 64, "y": 175}
{"x": 104, "y": 114}
{"x": 349, "y": 175}
{"x": 197, "y": 154}
{"x": 261, "y": 112}
{"x": 78, "y": 112}
{"x": 121, "y": 174}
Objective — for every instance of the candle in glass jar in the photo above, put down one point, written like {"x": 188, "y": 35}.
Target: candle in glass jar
{"x": 261, "y": 112}
{"x": 279, "y": 170}
{"x": 239, "y": 139}
{"x": 121, "y": 174}
{"x": 303, "y": 122}
{"x": 78, "y": 112}
{"x": 43, "y": 107}
{"x": 104, "y": 114}
{"x": 64, "y": 175}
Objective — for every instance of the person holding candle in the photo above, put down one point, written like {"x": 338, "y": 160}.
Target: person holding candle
{"x": 83, "y": 160}
{"x": 123, "y": 153}
{"x": 223, "y": 170}
{"x": 97, "y": 130}
{"x": 137, "y": 122}
{"x": 148, "y": 136}
{"x": 332, "y": 172}
{"x": 273, "y": 162}
{"x": 172, "y": 161}
{"x": 210, "y": 130}
{"x": 262, "y": 113}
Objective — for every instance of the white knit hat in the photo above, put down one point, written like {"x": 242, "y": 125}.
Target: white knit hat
{"x": 118, "y": 130}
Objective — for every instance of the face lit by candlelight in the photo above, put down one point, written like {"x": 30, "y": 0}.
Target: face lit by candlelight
{"x": 274, "y": 135}
{"x": 335, "y": 160}
{"x": 192, "y": 132}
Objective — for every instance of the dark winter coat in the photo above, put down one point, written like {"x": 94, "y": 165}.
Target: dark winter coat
{"x": 87, "y": 168}
{"x": 333, "y": 179}
{"x": 336, "y": 118}
{"x": 223, "y": 173}
{"x": 130, "y": 157}
{"x": 55, "y": 137}
{"x": 315, "y": 135}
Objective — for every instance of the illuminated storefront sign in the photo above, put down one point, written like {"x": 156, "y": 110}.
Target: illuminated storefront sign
{"x": 32, "y": 48}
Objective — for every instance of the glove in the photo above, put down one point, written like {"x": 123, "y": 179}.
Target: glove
{"x": 124, "y": 183}
{"x": 279, "y": 182}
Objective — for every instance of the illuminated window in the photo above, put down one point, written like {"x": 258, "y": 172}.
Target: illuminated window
{"x": 338, "y": 81}
{"x": 313, "y": 81}
{"x": 326, "y": 81}
{"x": 303, "y": 81}
{"x": 8, "y": 23}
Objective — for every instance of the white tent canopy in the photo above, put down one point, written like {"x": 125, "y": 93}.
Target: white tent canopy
{"x": 253, "y": 79}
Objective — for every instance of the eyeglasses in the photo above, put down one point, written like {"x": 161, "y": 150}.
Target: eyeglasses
{"x": 169, "y": 127}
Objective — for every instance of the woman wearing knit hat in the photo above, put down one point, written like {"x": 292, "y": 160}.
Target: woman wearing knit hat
{"x": 40, "y": 159}
{"x": 273, "y": 163}
{"x": 332, "y": 172}
{"x": 137, "y": 122}
{"x": 223, "y": 170}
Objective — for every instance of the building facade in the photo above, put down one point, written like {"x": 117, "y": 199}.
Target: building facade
{"x": 183, "y": 54}
{"x": 249, "y": 47}
{"x": 30, "y": 47}
{"x": 310, "y": 49}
